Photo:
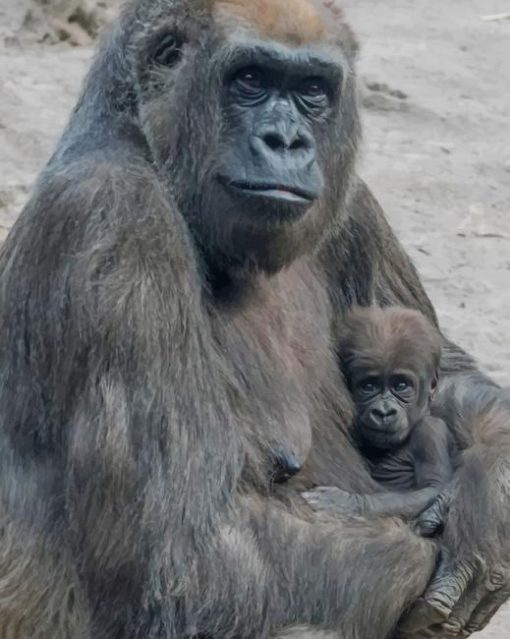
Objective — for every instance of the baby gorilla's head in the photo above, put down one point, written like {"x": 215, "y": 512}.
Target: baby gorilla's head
{"x": 390, "y": 358}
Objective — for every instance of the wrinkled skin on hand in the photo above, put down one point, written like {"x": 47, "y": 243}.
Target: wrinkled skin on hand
{"x": 471, "y": 522}
{"x": 473, "y": 576}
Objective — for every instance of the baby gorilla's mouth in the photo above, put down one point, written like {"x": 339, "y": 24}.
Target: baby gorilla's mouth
{"x": 389, "y": 428}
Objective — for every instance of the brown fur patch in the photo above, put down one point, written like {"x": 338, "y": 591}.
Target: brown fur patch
{"x": 289, "y": 21}
{"x": 390, "y": 337}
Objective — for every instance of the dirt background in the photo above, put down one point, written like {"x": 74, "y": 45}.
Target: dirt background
{"x": 436, "y": 97}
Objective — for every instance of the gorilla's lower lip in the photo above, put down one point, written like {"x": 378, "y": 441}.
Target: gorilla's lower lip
{"x": 274, "y": 191}
{"x": 384, "y": 429}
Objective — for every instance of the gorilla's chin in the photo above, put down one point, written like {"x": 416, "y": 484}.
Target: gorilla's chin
{"x": 385, "y": 438}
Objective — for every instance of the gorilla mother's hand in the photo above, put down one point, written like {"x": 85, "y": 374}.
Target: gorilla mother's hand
{"x": 473, "y": 577}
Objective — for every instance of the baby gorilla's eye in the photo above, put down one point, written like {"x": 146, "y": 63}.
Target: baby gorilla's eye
{"x": 401, "y": 384}
{"x": 368, "y": 385}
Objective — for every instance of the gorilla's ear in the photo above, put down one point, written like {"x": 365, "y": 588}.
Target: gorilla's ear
{"x": 168, "y": 49}
{"x": 161, "y": 49}
{"x": 434, "y": 380}
{"x": 153, "y": 54}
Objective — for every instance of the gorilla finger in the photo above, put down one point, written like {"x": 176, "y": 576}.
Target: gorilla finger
{"x": 314, "y": 500}
{"x": 496, "y": 580}
{"x": 487, "y": 609}
{"x": 463, "y": 612}
{"x": 443, "y": 593}
{"x": 321, "y": 494}
{"x": 429, "y": 525}
{"x": 425, "y": 613}
{"x": 326, "y": 490}
{"x": 449, "y": 585}
{"x": 431, "y": 521}
{"x": 413, "y": 505}
{"x": 332, "y": 498}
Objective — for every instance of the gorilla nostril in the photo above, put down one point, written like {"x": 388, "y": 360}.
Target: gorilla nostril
{"x": 274, "y": 142}
{"x": 381, "y": 414}
{"x": 278, "y": 142}
{"x": 297, "y": 144}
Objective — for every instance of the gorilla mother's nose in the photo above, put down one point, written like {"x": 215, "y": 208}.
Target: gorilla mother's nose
{"x": 282, "y": 142}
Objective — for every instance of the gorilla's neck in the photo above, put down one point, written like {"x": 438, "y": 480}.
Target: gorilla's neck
{"x": 231, "y": 288}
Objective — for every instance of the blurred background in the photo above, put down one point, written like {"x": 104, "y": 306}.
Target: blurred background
{"x": 435, "y": 94}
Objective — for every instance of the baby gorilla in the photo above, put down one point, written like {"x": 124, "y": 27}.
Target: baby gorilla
{"x": 390, "y": 358}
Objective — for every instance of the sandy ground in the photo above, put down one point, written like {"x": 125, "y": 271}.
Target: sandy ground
{"x": 439, "y": 161}
{"x": 437, "y": 149}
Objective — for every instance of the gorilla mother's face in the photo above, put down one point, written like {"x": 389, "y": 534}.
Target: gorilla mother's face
{"x": 254, "y": 121}
{"x": 277, "y": 106}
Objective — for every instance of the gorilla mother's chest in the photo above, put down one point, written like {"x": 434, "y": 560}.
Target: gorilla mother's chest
{"x": 279, "y": 344}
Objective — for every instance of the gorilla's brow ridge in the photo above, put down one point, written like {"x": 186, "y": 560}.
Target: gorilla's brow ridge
{"x": 240, "y": 53}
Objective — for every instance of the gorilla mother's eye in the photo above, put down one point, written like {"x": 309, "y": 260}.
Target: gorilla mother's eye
{"x": 313, "y": 88}
{"x": 313, "y": 94}
{"x": 168, "y": 50}
{"x": 250, "y": 83}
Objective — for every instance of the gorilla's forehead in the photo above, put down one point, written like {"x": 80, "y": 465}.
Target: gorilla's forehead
{"x": 296, "y": 22}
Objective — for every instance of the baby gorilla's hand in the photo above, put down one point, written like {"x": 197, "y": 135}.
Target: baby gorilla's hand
{"x": 432, "y": 520}
{"x": 336, "y": 502}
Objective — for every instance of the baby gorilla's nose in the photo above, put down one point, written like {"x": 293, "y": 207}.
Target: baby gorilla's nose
{"x": 383, "y": 415}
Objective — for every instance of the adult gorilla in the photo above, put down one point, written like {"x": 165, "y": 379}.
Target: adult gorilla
{"x": 169, "y": 299}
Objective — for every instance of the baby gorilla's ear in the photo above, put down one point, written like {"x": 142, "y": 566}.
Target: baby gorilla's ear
{"x": 434, "y": 380}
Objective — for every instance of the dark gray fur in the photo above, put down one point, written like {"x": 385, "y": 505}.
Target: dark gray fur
{"x": 138, "y": 406}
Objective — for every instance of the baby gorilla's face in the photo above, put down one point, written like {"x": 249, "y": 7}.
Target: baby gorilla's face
{"x": 389, "y": 403}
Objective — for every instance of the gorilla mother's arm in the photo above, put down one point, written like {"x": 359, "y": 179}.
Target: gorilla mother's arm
{"x": 372, "y": 266}
{"x": 278, "y": 570}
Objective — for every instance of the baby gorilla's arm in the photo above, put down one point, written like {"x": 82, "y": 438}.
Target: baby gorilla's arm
{"x": 334, "y": 502}
{"x": 430, "y": 447}
{"x": 428, "y": 451}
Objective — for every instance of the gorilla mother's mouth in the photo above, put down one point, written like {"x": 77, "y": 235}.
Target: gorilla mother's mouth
{"x": 275, "y": 191}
